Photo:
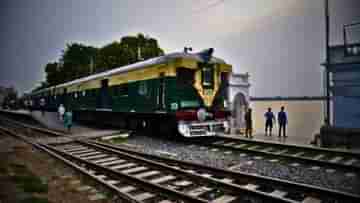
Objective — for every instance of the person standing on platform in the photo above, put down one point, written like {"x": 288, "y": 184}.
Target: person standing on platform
{"x": 30, "y": 105}
{"x": 26, "y": 104}
{"x": 269, "y": 120}
{"x": 61, "y": 112}
{"x": 42, "y": 106}
{"x": 68, "y": 120}
{"x": 282, "y": 119}
{"x": 248, "y": 122}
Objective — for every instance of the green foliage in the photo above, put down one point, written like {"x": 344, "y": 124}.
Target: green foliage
{"x": 26, "y": 180}
{"x": 35, "y": 200}
{"x": 30, "y": 183}
{"x": 118, "y": 140}
{"x": 79, "y": 60}
{"x": 130, "y": 49}
{"x": 76, "y": 60}
{"x": 110, "y": 56}
{"x": 53, "y": 74}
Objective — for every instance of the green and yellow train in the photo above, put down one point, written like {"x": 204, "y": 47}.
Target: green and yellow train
{"x": 182, "y": 93}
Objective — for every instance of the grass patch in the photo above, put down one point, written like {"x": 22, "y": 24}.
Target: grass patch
{"x": 30, "y": 183}
{"x": 35, "y": 200}
{"x": 27, "y": 180}
{"x": 18, "y": 168}
{"x": 118, "y": 140}
{"x": 3, "y": 170}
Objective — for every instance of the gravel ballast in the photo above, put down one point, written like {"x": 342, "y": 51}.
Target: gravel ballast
{"x": 246, "y": 162}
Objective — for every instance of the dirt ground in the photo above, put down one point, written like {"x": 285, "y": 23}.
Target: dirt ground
{"x": 28, "y": 175}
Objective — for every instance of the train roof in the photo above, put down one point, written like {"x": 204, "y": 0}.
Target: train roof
{"x": 135, "y": 66}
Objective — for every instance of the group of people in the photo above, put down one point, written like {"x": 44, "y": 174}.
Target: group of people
{"x": 269, "y": 122}
{"x": 65, "y": 116}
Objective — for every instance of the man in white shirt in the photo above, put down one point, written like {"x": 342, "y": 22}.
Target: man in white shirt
{"x": 61, "y": 112}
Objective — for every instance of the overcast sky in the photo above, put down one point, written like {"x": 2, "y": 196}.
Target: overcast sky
{"x": 279, "y": 42}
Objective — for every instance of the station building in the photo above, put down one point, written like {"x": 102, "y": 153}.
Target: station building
{"x": 344, "y": 69}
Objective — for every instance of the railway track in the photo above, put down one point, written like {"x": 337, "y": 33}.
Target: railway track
{"x": 272, "y": 186}
{"x": 189, "y": 186}
{"x": 121, "y": 172}
{"x": 147, "y": 176}
{"x": 333, "y": 159}
{"x": 138, "y": 188}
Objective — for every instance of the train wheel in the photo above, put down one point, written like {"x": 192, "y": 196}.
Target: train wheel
{"x": 122, "y": 123}
{"x": 166, "y": 128}
{"x": 133, "y": 124}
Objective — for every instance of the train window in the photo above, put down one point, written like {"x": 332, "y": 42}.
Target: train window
{"x": 123, "y": 90}
{"x": 84, "y": 93}
{"x": 185, "y": 76}
{"x": 91, "y": 92}
{"x": 207, "y": 76}
{"x": 224, "y": 78}
{"x": 75, "y": 95}
{"x": 143, "y": 89}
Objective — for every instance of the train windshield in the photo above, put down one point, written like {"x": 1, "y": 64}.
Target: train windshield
{"x": 207, "y": 75}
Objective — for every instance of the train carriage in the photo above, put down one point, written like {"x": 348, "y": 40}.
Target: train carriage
{"x": 178, "y": 92}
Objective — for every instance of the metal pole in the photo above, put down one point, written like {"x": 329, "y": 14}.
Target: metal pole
{"x": 327, "y": 117}
{"x": 345, "y": 40}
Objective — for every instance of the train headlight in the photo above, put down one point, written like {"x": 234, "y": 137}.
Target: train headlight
{"x": 226, "y": 126}
{"x": 226, "y": 104}
{"x": 184, "y": 129}
{"x": 201, "y": 115}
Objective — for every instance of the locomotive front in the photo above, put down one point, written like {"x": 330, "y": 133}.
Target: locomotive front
{"x": 202, "y": 102}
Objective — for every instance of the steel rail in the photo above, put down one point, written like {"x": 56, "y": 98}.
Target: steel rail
{"x": 231, "y": 188}
{"x": 77, "y": 168}
{"x": 137, "y": 181}
{"x": 306, "y": 188}
{"x": 241, "y": 176}
{"x": 234, "y": 144}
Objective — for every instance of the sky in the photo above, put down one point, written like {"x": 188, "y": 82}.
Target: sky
{"x": 280, "y": 43}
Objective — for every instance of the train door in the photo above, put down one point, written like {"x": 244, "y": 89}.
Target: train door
{"x": 161, "y": 96}
{"x": 63, "y": 99}
{"x": 104, "y": 99}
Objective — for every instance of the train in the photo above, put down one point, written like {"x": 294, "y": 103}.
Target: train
{"x": 179, "y": 93}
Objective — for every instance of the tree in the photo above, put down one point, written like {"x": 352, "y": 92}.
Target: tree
{"x": 79, "y": 60}
{"x": 130, "y": 49}
{"x": 54, "y": 75}
{"x": 146, "y": 46}
{"x": 110, "y": 56}
{"x": 76, "y": 60}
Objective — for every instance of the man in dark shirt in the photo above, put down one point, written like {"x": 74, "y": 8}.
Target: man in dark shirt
{"x": 269, "y": 118}
{"x": 248, "y": 122}
{"x": 282, "y": 119}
